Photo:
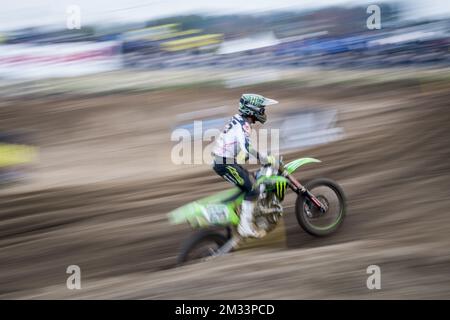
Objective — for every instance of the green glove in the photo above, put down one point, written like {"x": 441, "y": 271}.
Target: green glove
{"x": 271, "y": 160}
{"x": 268, "y": 160}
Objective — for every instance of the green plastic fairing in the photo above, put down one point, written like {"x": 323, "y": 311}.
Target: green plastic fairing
{"x": 218, "y": 209}
{"x": 271, "y": 179}
{"x": 294, "y": 165}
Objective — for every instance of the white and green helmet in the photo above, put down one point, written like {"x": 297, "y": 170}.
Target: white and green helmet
{"x": 252, "y": 104}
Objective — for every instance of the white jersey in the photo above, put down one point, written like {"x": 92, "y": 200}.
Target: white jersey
{"x": 234, "y": 139}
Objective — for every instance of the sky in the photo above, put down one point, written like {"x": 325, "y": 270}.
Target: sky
{"x": 26, "y": 13}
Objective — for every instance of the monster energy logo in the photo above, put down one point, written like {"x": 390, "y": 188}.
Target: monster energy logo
{"x": 254, "y": 100}
{"x": 281, "y": 189}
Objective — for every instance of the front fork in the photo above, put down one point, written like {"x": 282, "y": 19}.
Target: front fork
{"x": 298, "y": 188}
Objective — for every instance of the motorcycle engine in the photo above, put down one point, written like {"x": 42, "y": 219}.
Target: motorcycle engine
{"x": 268, "y": 208}
{"x": 268, "y": 213}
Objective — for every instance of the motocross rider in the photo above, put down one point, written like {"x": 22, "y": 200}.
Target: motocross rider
{"x": 233, "y": 147}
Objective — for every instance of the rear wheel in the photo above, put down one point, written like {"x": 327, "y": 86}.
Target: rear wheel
{"x": 200, "y": 246}
{"x": 311, "y": 219}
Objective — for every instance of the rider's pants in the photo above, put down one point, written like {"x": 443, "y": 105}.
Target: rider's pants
{"x": 237, "y": 175}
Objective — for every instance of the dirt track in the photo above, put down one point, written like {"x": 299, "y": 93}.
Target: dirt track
{"x": 98, "y": 198}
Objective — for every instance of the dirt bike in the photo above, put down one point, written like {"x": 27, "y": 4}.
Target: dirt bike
{"x": 320, "y": 210}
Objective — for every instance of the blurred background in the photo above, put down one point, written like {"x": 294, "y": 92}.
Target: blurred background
{"x": 91, "y": 91}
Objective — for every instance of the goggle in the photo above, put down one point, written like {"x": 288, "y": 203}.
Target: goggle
{"x": 260, "y": 110}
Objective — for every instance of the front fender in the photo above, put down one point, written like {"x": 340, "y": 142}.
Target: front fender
{"x": 294, "y": 165}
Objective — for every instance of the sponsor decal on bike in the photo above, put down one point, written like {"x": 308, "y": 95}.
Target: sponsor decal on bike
{"x": 217, "y": 213}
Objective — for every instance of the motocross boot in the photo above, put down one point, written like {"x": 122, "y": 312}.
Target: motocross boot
{"x": 246, "y": 226}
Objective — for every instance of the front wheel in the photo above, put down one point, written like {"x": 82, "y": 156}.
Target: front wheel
{"x": 201, "y": 245}
{"x": 311, "y": 219}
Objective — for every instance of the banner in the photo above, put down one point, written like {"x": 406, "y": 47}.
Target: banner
{"x": 24, "y": 61}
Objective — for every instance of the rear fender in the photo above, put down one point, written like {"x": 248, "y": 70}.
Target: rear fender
{"x": 209, "y": 211}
